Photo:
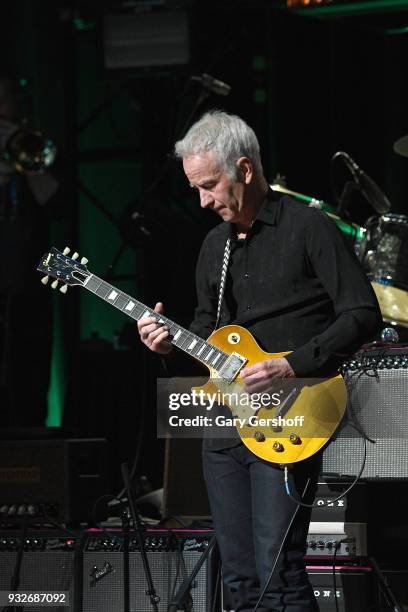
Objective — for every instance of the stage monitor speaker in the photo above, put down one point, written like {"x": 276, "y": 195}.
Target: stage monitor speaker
{"x": 49, "y": 563}
{"x": 59, "y": 478}
{"x": 172, "y": 556}
{"x": 377, "y": 381}
{"x": 184, "y": 493}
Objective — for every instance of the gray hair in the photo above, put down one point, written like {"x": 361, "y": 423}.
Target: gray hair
{"x": 228, "y": 137}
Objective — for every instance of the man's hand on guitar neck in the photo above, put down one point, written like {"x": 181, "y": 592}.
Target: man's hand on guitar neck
{"x": 261, "y": 376}
{"x": 154, "y": 335}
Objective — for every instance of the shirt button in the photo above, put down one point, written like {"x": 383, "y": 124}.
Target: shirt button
{"x": 246, "y": 275}
{"x": 248, "y": 307}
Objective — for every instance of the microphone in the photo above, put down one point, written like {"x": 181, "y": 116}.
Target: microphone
{"x": 368, "y": 187}
{"x": 214, "y": 85}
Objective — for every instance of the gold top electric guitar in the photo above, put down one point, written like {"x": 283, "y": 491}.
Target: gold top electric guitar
{"x": 292, "y": 430}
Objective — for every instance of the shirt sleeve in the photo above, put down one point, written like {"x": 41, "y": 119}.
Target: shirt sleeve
{"x": 357, "y": 314}
{"x": 206, "y": 310}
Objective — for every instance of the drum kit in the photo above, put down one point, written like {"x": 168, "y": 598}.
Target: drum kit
{"x": 382, "y": 248}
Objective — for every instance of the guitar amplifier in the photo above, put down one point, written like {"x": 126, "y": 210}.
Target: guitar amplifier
{"x": 377, "y": 381}
{"x": 352, "y": 587}
{"x": 49, "y": 563}
{"x": 172, "y": 555}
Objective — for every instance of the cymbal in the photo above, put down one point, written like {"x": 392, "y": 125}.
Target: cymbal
{"x": 393, "y": 303}
{"x": 401, "y": 146}
{"x": 348, "y": 228}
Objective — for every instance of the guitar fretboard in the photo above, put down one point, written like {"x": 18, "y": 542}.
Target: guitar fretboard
{"x": 193, "y": 345}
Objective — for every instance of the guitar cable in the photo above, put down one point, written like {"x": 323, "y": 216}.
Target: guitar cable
{"x": 298, "y": 504}
{"x": 331, "y": 501}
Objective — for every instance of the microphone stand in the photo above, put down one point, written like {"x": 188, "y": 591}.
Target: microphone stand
{"x": 126, "y": 537}
{"x": 182, "y": 600}
{"x": 137, "y": 524}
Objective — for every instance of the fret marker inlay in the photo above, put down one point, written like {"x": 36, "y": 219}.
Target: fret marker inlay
{"x": 192, "y": 345}
{"x": 130, "y": 306}
{"x": 177, "y": 335}
{"x": 145, "y": 314}
{"x": 201, "y": 350}
{"x": 113, "y": 295}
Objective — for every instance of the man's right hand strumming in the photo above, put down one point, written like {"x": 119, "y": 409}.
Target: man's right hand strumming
{"x": 154, "y": 335}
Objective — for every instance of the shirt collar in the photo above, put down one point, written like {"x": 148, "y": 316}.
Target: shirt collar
{"x": 268, "y": 213}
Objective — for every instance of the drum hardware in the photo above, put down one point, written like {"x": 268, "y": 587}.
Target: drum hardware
{"x": 352, "y": 229}
{"x": 384, "y": 256}
{"x": 389, "y": 335}
{"x": 382, "y": 248}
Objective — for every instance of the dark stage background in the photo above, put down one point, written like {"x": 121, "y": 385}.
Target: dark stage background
{"x": 310, "y": 85}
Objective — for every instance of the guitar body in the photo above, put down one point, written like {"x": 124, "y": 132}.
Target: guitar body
{"x": 308, "y": 412}
{"x": 321, "y": 405}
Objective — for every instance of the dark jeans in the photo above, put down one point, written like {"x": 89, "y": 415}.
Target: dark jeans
{"x": 251, "y": 513}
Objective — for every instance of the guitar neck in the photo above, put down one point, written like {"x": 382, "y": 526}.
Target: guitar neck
{"x": 202, "y": 351}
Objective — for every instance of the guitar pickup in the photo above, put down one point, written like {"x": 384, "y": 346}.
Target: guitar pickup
{"x": 232, "y": 367}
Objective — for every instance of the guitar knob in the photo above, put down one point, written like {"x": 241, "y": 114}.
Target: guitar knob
{"x": 259, "y": 436}
{"x": 45, "y": 280}
{"x": 64, "y": 288}
{"x": 54, "y": 284}
{"x": 84, "y": 261}
{"x": 66, "y": 251}
{"x": 295, "y": 439}
{"x": 278, "y": 447}
{"x": 75, "y": 255}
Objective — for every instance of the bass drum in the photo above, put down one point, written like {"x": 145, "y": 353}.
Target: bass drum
{"x": 385, "y": 259}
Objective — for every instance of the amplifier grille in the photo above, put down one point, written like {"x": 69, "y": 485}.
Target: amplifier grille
{"x": 378, "y": 397}
{"x": 169, "y": 567}
{"x": 48, "y": 570}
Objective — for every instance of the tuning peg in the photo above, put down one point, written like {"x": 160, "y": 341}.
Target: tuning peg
{"x": 45, "y": 279}
{"x": 84, "y": 261}
{"x": 64, "y": 288}
{"x": 75, "y": 255}
{"x": 54, "y": 284}
{"x": 66, "y": 251}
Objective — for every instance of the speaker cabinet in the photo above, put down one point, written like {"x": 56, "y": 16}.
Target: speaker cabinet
{"x": 49, "y": 563}
{"x": 59, "y": 478}
{"x": 172, "y": 556}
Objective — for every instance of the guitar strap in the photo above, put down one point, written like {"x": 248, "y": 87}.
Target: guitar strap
{"x": 224, "y": 269}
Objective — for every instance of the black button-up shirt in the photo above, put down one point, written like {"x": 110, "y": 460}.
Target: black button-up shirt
{"x": 294, "y": 283}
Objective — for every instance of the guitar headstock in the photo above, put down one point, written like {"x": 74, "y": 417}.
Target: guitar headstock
{"x": 63, "y": 269}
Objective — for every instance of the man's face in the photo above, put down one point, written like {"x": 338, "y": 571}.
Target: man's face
{"x": 218, "y": 190}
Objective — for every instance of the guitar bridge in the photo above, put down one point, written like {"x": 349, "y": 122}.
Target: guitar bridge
{"x": 232, "y": 367}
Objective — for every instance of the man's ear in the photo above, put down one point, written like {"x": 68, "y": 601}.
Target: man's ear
{"x": 245, "y": 169}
